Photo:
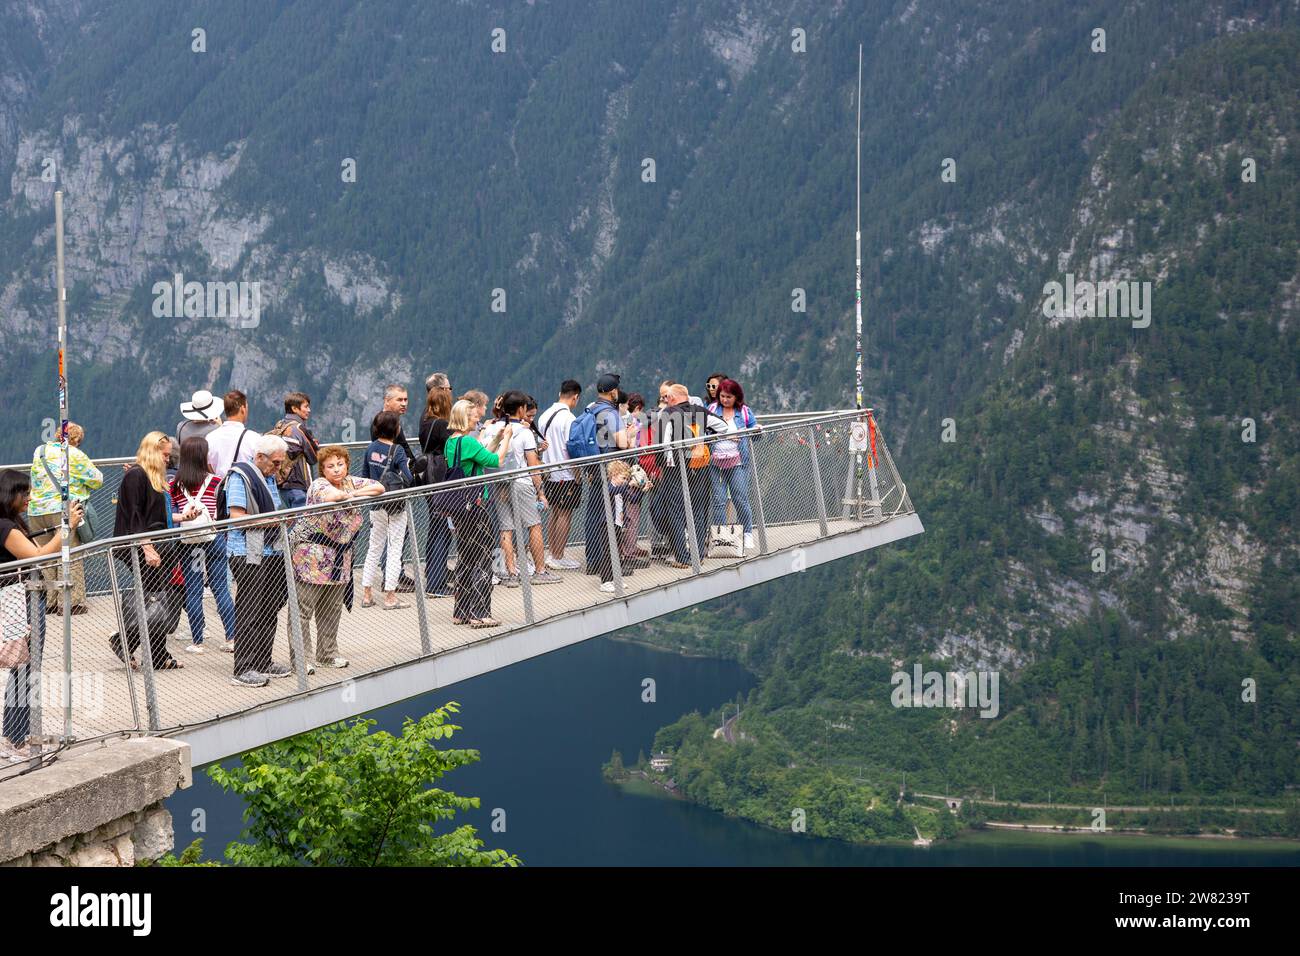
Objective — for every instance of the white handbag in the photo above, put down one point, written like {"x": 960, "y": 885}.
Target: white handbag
{"x": 726, "y": 542}
{"x": 14, "y": 627}
{"x": 203, "y": 520}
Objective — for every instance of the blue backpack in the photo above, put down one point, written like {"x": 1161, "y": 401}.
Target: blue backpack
{"x": 582, "y": 433}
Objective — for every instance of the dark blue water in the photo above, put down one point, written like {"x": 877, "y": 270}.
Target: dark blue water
{"x": 545, "y": 726}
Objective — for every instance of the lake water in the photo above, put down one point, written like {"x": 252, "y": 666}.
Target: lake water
{"x": 545, "y": 726}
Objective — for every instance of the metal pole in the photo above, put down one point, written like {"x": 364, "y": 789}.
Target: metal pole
{"x": 817, "y": 480}
{"x": 857, "y": 280}
{"x": 847, "y": 505}
{"x": 691, "y": 536}
{"x": 121, "y": 634}
{"x": 295, "y": 612}
{"x": 65, "y": 525}
{"x": 146, "y": 645}
{"x": 33, "y": 688}
{"x": 615, "y": 559}
{"x": 521, "y": 555}
{"x": 421, "y": 599}
{"x": 760, "y": 522}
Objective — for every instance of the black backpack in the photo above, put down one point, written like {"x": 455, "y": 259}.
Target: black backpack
{"x": 393, "y": 480}
{"x": 454, "y": 500}
{"x": 433, "y": 466}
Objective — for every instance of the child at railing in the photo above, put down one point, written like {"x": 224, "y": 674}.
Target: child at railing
{"x": 628, "y": 485}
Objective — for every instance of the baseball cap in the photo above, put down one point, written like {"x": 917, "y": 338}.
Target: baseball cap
{"x": 607, "y": 382}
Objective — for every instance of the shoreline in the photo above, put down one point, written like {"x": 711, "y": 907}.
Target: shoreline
{"x": 678, "y": 651}
{"x": 640, "y": 783}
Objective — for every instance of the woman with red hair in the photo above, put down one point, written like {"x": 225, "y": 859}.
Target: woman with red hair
{"x": 730, "y": 460}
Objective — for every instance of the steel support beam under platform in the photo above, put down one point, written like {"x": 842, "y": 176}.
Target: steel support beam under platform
{"x": 283, "y": 718}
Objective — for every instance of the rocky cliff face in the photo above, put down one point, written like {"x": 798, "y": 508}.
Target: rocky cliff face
{"x": 138, "y": 202}
{"x": 31, "y": 37}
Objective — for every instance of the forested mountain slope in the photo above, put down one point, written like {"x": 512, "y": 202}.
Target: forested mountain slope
{"x": 1111, "y": 529}
{"x": 525, "y": 171}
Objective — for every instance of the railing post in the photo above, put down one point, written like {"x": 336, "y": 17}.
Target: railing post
{"x": 121, "y": 634}
{"x": 521, "y": 553}
{"x": 146, "y": 645}
{"x": 691, "y": 536}
{"x": 849, "y": 505}
{"x": 295, "y": 612}
{"x": 421, "y": 599}
{"x": 611, "y": 533}
{"x": 760, "y": 522}
{"x": 817, "y": 479}
{"x": 65, "y": 606}
{"x": 33, "y": 687}
{"x": 875, "y": 509}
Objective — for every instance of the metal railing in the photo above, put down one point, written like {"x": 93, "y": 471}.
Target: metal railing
{"x": 485, "y": 558}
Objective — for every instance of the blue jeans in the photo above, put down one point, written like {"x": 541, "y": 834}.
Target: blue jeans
{"x": 17, "y": 725}
{"x": 737, "y": 481}
{"x": 214, "y": 552}
{"x": 437, "y": 579}
{"x": 293, "y": 497}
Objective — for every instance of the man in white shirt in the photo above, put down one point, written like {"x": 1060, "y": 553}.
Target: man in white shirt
{"x": 519, "y": 504}
{"x": 234, "y": 440}
{"x": 562, "y": 490}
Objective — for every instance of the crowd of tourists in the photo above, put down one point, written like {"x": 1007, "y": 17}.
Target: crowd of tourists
{"x": 213, "y": 466}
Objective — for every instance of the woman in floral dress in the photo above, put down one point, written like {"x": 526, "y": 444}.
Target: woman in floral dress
{"x": 322, "y": 554}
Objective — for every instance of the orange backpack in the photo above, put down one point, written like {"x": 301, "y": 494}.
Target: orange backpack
{"x": 699, "y": 453}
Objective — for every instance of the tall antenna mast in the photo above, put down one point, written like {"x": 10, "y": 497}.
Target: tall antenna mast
{"x": 865, "y": 425}
{"x": 65, "y": 525}
{"x": 857, "y": 257}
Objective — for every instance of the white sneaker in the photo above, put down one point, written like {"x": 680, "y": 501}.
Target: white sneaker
{"x": 608, "y": 587}
{"x": 568, "y": 564}
{"x": 13, "y": 754}
{"x": 749, "y": 540}
{"x": 195, "y": 649}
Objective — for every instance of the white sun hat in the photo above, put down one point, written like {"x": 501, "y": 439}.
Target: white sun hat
{"x": 203, "y": 406}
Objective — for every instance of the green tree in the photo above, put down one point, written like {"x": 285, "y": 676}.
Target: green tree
{"x": 614, "y": 770}
{"x": 343, "y": 796}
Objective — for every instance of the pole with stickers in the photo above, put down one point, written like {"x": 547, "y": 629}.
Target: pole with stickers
{"x": 65, "y": 526}
{"x": 862, "y": 434}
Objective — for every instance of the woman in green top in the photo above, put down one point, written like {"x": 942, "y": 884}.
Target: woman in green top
{"x": 473, "y": 583}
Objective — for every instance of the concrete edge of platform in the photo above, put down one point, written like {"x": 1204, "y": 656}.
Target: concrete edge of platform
{"x": 88, "y": 789}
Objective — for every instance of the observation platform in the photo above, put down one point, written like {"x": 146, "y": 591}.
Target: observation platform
{"x": 803, "y": 478}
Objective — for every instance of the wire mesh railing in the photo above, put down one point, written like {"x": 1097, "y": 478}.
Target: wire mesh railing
{"x": 305, "y": 598}
{"x": 94, "y": 577}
